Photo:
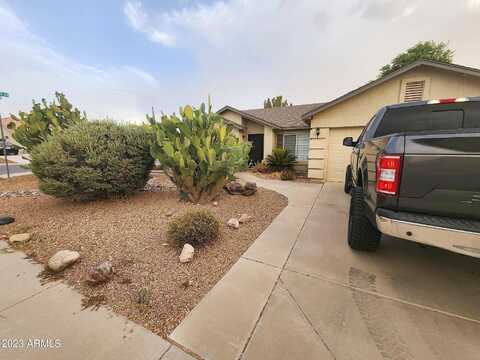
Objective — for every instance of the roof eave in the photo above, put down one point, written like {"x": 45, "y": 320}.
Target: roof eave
{"x": 248, "y": 116}
{"x": 450, "y": 67}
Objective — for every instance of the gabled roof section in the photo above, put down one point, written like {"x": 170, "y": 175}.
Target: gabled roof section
{"x": 247, "y": 116}
{"x": 281, "y": 118}
{"x": 435, "y": 64}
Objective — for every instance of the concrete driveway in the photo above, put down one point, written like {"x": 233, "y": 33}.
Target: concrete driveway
{"x": 322, "y": 300}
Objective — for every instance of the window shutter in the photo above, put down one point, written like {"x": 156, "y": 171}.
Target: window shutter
{"x": 414, "y": 91}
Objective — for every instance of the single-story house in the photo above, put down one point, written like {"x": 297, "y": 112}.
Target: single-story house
{"x": 326, "y": 124}
{"x": 6, "y": 131}
{"x": 270, "y": 128}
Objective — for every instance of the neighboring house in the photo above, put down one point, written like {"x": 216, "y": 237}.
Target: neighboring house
{"x": 6, "y": 131}
{"x": 270, "y": 128}
{"x": 328, "y": 123}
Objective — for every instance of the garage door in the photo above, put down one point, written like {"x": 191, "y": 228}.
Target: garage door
{"x": 339, "y": 155}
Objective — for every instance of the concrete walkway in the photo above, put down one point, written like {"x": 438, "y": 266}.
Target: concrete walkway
{"x": 47, "y": 322}
{"x": 299, "y": 292}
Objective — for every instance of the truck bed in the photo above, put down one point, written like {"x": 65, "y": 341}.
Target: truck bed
{"x": 441, "y": 174}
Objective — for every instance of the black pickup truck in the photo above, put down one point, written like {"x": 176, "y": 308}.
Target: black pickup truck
{"x": 415, "y": 175}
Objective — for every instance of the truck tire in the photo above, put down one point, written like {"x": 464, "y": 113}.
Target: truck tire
{"x": 348, "y": 180}
{"x": 362, "y": 234}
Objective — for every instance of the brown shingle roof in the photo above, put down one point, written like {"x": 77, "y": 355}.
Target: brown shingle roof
{"x": 288, "y": 117}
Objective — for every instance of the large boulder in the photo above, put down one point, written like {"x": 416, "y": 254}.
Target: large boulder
{"x": 62, "y": 259}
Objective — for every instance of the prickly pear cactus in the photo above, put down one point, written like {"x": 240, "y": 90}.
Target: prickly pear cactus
{"x": 197, "y": 151}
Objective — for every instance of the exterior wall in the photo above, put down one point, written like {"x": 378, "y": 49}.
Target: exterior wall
{"x": 230, "y": 115}
{"x": 358, "y": 110}
{"x": 268, "y": 141}
{"x": 318, "y": 153}
{"x": 253, "y": 128}
{"x": 301, "y": 168}
{"x": 237, "y": 133}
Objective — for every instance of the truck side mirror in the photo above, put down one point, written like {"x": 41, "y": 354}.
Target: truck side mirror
{"x": 348, "y": 141}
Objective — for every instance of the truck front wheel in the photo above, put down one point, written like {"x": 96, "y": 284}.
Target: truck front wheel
{"x": 362, "y": 235}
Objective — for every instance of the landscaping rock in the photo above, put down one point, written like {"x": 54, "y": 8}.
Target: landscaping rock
{"x": 100, "y": 273}
{"x": 215, "y": 203}
{"x": 233, "y": 223}
{"x": 234, "y": 187}
{"x": 249, "y": 189}
{"x": 169, "y": 214}
{"x": 62, "y": 259}
{"x": 187, "y": 253}
{"x": 238, "y": 188}
{"x": 244, "y": 218}
{"x": 19, "y": 238}
{"x": 4, "y": 220}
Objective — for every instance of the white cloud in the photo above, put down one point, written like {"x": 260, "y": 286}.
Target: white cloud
{"x": 243, "y": 51}
{"x": 140, "y": 21}
{"x": 308, "y": 50}
{"x": 31, "y": 69}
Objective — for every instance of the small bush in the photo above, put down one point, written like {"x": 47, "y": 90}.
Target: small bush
{"x": 288, "y": 174}
{"x": 281, "y": 159}
{"x": 260, "y": 167}
{"x": 196, "y": 227}
{"x": 93, "y": 160}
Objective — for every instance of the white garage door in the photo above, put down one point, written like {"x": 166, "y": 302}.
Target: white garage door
{"x": 339, "y": 155}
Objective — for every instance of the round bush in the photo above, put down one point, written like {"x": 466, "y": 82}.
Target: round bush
{"x": 195, "y": 227}
{"x": 93, "y": 160}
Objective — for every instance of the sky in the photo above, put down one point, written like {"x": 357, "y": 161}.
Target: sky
{"x": 117, "y": 59}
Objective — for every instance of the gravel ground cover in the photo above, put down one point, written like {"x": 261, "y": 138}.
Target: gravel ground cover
{"x": 24, "y": 182}
{"x": 150, "y": 285}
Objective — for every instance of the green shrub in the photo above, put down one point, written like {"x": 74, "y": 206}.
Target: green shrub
{"x": 198, "y": 152}
{"x": 280, "y": 159}
{"x": 44, "y": 120}
{"x": 288, "y": 174}
{"x": 93, "y": 160}
{"x": 260, "y": 167}
{"x": 196, "y": 227}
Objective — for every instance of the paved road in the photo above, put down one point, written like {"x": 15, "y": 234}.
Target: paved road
{"x": 14, "y": 169}
{"x": 300, "y": 293}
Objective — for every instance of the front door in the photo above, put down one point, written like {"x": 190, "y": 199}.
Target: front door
{"x": 256, "y": 152}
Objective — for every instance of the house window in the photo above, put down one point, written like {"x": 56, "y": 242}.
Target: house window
{"x": 297, "y": 144}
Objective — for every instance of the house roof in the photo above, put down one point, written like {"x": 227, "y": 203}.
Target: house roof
{"x": 444, "y": 66}
{"x": 287, "y": 117}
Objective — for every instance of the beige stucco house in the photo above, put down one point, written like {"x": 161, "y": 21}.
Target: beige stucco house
{"x": 270, "y": 128}
{"x": 322, "y": 127}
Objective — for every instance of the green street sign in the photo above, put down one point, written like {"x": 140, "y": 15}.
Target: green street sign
{"x": 4, "y": 94}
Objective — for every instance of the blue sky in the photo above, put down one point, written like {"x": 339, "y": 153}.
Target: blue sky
{"x": 118, "y": 58}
